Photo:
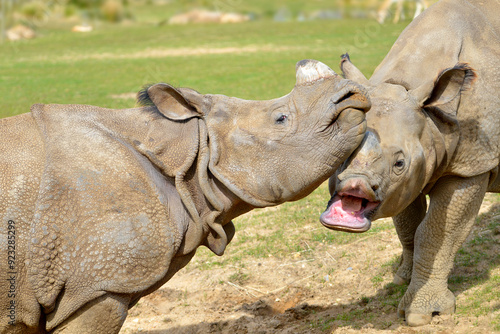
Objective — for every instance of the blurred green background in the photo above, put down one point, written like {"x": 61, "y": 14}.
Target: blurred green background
{"x": 132, "y": 43}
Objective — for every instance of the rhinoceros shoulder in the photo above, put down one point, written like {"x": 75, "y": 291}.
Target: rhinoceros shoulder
{"x": 106, "y": 218}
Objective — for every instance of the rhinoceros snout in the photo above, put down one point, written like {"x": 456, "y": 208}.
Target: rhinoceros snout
{"x": 351, "y": 206}
{"x": 359, "y": 187}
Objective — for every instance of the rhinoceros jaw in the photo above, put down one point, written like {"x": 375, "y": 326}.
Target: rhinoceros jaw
{"x": 348, "y": 213}
{"x": 309, "y": 71}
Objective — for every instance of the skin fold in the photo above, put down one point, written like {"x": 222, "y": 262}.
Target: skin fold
{"x": 101, "y": 207}
{"x": 433, "y": 130}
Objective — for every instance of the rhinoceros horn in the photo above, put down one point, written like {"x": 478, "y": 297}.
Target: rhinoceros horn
{"x": 310, "y": 70}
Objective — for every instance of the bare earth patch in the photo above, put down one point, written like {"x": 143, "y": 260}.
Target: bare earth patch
{"x": 328, "y": 288}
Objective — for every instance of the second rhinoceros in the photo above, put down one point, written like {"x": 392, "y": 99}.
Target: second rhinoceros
{"x": 100, "y": 207}
{"x": 434, "y": 129}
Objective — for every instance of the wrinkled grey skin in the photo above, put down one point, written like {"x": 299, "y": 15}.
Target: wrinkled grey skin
{"x": 104, "y": 206}
{"x": 434, "y": 130}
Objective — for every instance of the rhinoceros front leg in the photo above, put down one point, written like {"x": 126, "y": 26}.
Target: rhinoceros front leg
{"x": 104, "y": 315}
{"x": 454, "y": 205}
{"x": 406, "y": 224}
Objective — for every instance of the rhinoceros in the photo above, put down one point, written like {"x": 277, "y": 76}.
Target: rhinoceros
{"x": 433, "y": 129}
{"x": 100, "y": 207}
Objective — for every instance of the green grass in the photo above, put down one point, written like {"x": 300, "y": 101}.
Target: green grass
{"x": 64, "y": 67}
{"x": 477, "y": 269}
{"x": 239, "y": 277}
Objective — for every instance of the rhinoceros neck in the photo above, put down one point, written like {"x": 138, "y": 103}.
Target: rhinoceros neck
{"x": 432, "y": 42}
{"x": 180, "y": 151}
{"x": 219, "y": 197}
{"x": 439, "y": 38}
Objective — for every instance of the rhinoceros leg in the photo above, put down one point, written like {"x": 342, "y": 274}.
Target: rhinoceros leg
{"x": 406, "y": 224}
{"x": 454, "y": 205}
{"x": 104, "y": 315}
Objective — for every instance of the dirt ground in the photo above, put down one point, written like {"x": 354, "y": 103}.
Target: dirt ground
{"x": 342, "y": 289}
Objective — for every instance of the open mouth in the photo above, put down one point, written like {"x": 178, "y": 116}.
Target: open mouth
{"x": 348, "y": 213}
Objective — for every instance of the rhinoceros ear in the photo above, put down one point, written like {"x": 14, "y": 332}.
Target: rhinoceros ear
{"x": 350, "y": 71}
{"x": 446, "y": 88}
{"x": 176, "y": 104}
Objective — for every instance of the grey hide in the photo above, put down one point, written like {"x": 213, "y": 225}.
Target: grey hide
{"x": 434, "y": 129}
{"x": 100, "y": 207}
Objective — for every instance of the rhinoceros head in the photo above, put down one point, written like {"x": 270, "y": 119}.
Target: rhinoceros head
{"x": 269, "y": 152}
{"x": 410, "y": 137}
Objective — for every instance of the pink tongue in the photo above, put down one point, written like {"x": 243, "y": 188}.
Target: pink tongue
{"x": 351, "y": 204}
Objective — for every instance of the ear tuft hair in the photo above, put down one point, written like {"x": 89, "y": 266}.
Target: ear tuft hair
{"x": 470, "y": 76}
{"x": 345, "y": 57}
{"x": 143, "y": 99}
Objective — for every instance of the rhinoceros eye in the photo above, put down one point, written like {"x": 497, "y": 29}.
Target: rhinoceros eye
{"x": 399, "y": 164}
{"x": 281, "y": 119}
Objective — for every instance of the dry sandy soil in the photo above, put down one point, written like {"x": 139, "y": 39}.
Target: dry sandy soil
{"x": 341, "y": 289}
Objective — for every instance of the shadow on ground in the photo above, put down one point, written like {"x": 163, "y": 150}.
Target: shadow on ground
{"x": 473, "y": 265}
